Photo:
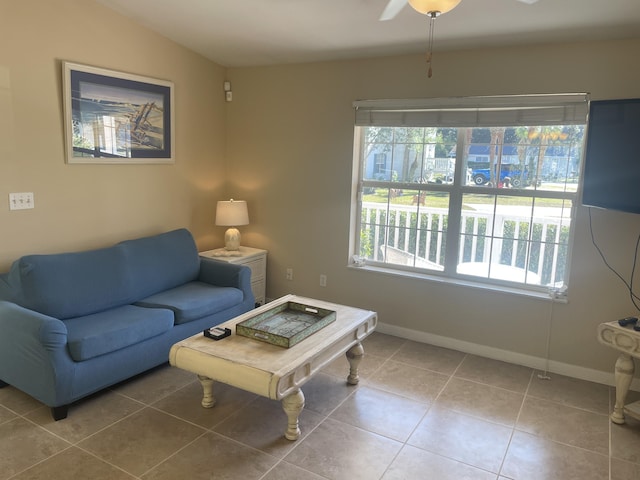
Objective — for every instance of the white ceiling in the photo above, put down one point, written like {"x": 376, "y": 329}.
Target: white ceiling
{"x": 236, "y": 33}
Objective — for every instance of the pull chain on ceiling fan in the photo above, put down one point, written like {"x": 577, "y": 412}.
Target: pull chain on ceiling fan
{"x": 433, "y": 9}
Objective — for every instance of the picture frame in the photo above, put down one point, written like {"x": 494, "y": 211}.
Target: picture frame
{"x": 113, "y": 117}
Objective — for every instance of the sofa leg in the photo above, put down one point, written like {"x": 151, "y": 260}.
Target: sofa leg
{"x": 59, "y": 413}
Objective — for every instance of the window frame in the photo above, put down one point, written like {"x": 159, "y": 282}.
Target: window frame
{"x": 564, "y": 109}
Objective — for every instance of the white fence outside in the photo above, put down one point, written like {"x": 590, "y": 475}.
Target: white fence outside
{"x": 506, "y": 246}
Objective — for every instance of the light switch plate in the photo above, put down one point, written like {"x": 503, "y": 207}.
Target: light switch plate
{"x": 21, "y": 201}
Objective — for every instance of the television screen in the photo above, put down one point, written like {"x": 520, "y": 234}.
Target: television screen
{"x": 612, "y": 161}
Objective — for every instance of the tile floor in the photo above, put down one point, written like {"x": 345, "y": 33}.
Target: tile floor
{"x": 419, "y": 412}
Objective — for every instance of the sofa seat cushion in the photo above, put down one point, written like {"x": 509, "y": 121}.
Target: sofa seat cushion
{"x": 194, "y": 300}
{"x": 104, "y": 332}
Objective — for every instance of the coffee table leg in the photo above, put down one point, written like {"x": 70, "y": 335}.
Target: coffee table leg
{"x": 354, "y": 355}
{"x": 208, "y": 400}
{"x": 292, "y": 405}
{"x": 625, "y": 369}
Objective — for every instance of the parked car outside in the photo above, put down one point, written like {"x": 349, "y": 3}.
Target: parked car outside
{"x": 517, "y": 178}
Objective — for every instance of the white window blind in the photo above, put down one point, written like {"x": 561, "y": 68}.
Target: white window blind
{"x": 490, "y": 111}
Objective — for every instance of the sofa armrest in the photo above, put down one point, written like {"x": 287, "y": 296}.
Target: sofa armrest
{"x": 19, "y": 324}
{"x": 33, "y": 353}
{"x": 223, "y": 274}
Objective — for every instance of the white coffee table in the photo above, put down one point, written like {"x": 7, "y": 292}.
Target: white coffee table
{"x": 271, "y": 371}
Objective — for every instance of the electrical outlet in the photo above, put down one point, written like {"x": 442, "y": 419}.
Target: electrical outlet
{"x": 21, "y": 201}
{"x": 289, "y": 274}
{"x": 323, "y": 280}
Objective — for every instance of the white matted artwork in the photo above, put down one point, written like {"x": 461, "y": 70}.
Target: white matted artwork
{"x": 116, "y": 117}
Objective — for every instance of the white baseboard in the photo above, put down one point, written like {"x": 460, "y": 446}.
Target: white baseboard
{"x": 574, "y": 371}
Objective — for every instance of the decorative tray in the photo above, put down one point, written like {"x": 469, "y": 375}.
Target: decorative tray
{"x": 286, "y": 324}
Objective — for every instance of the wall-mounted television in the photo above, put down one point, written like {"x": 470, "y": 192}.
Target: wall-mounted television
{"x": 612, "y": 160}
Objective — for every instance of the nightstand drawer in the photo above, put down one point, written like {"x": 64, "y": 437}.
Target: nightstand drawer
{"x": 254, "y": 258}
{"x": 257, "y": 267}
{"x": 258, "y": 289}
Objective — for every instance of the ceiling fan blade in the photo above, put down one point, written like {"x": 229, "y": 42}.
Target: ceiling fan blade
{"x": 392, "y": 9}
{"x": 530, "y": 2}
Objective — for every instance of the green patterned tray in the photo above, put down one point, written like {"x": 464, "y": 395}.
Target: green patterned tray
{"x": 286, "y": 324}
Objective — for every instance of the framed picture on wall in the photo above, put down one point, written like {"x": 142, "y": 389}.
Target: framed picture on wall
{"x": 115, "y": 117}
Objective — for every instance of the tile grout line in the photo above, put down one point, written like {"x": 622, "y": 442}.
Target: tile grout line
{"x": 326, "y": 417}
{"x": 431, "y": 404}
{"x": 452, "y": 376}
{"x": 515, "y": 423}
{"x": 72, "y": 445}
{"x": 366, "y": 381}
{"x": 164, "y": 460}
{"x": 610, "y": 432}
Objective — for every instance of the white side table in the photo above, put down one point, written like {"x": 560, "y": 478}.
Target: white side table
{"x": 627, "y": 341}
{"x": 254, "y": 258}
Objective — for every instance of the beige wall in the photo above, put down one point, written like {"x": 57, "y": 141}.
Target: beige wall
{"x": 84, "y": 206}
{"x": 290, "y": 155}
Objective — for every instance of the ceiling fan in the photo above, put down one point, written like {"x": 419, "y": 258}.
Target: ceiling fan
{"x": 425, "y": 6}
{"x": 431, "y": 8}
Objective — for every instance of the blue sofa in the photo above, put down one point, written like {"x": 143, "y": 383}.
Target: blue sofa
{"x": 72, "y": 324}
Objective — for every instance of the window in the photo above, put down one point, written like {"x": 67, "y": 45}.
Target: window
{"x": 477, "y": 188}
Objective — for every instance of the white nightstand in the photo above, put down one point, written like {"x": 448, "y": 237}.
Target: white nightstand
{"x": 254, "y": 258}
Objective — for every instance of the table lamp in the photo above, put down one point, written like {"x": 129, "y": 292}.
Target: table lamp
{"x": 232, "y": 213}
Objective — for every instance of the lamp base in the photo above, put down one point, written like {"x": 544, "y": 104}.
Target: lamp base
{"x": 232, "y": 239}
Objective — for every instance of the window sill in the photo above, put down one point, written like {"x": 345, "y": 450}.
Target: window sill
{"x": 460, "y": 282}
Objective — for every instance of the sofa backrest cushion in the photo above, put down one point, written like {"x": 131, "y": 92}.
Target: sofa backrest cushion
{"x": 161, "y": 262}
{"x": 68, "y": 285}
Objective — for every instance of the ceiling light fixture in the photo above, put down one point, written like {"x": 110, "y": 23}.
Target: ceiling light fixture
{"x": 433, "y": 9}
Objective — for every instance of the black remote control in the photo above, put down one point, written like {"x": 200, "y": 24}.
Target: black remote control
{"x": 217, "y": 333}
{"x": 627, "y": 321}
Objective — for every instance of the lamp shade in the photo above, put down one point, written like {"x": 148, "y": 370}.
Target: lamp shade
{"x": 232, "y": 213}
{"x": 426, "y": 6}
